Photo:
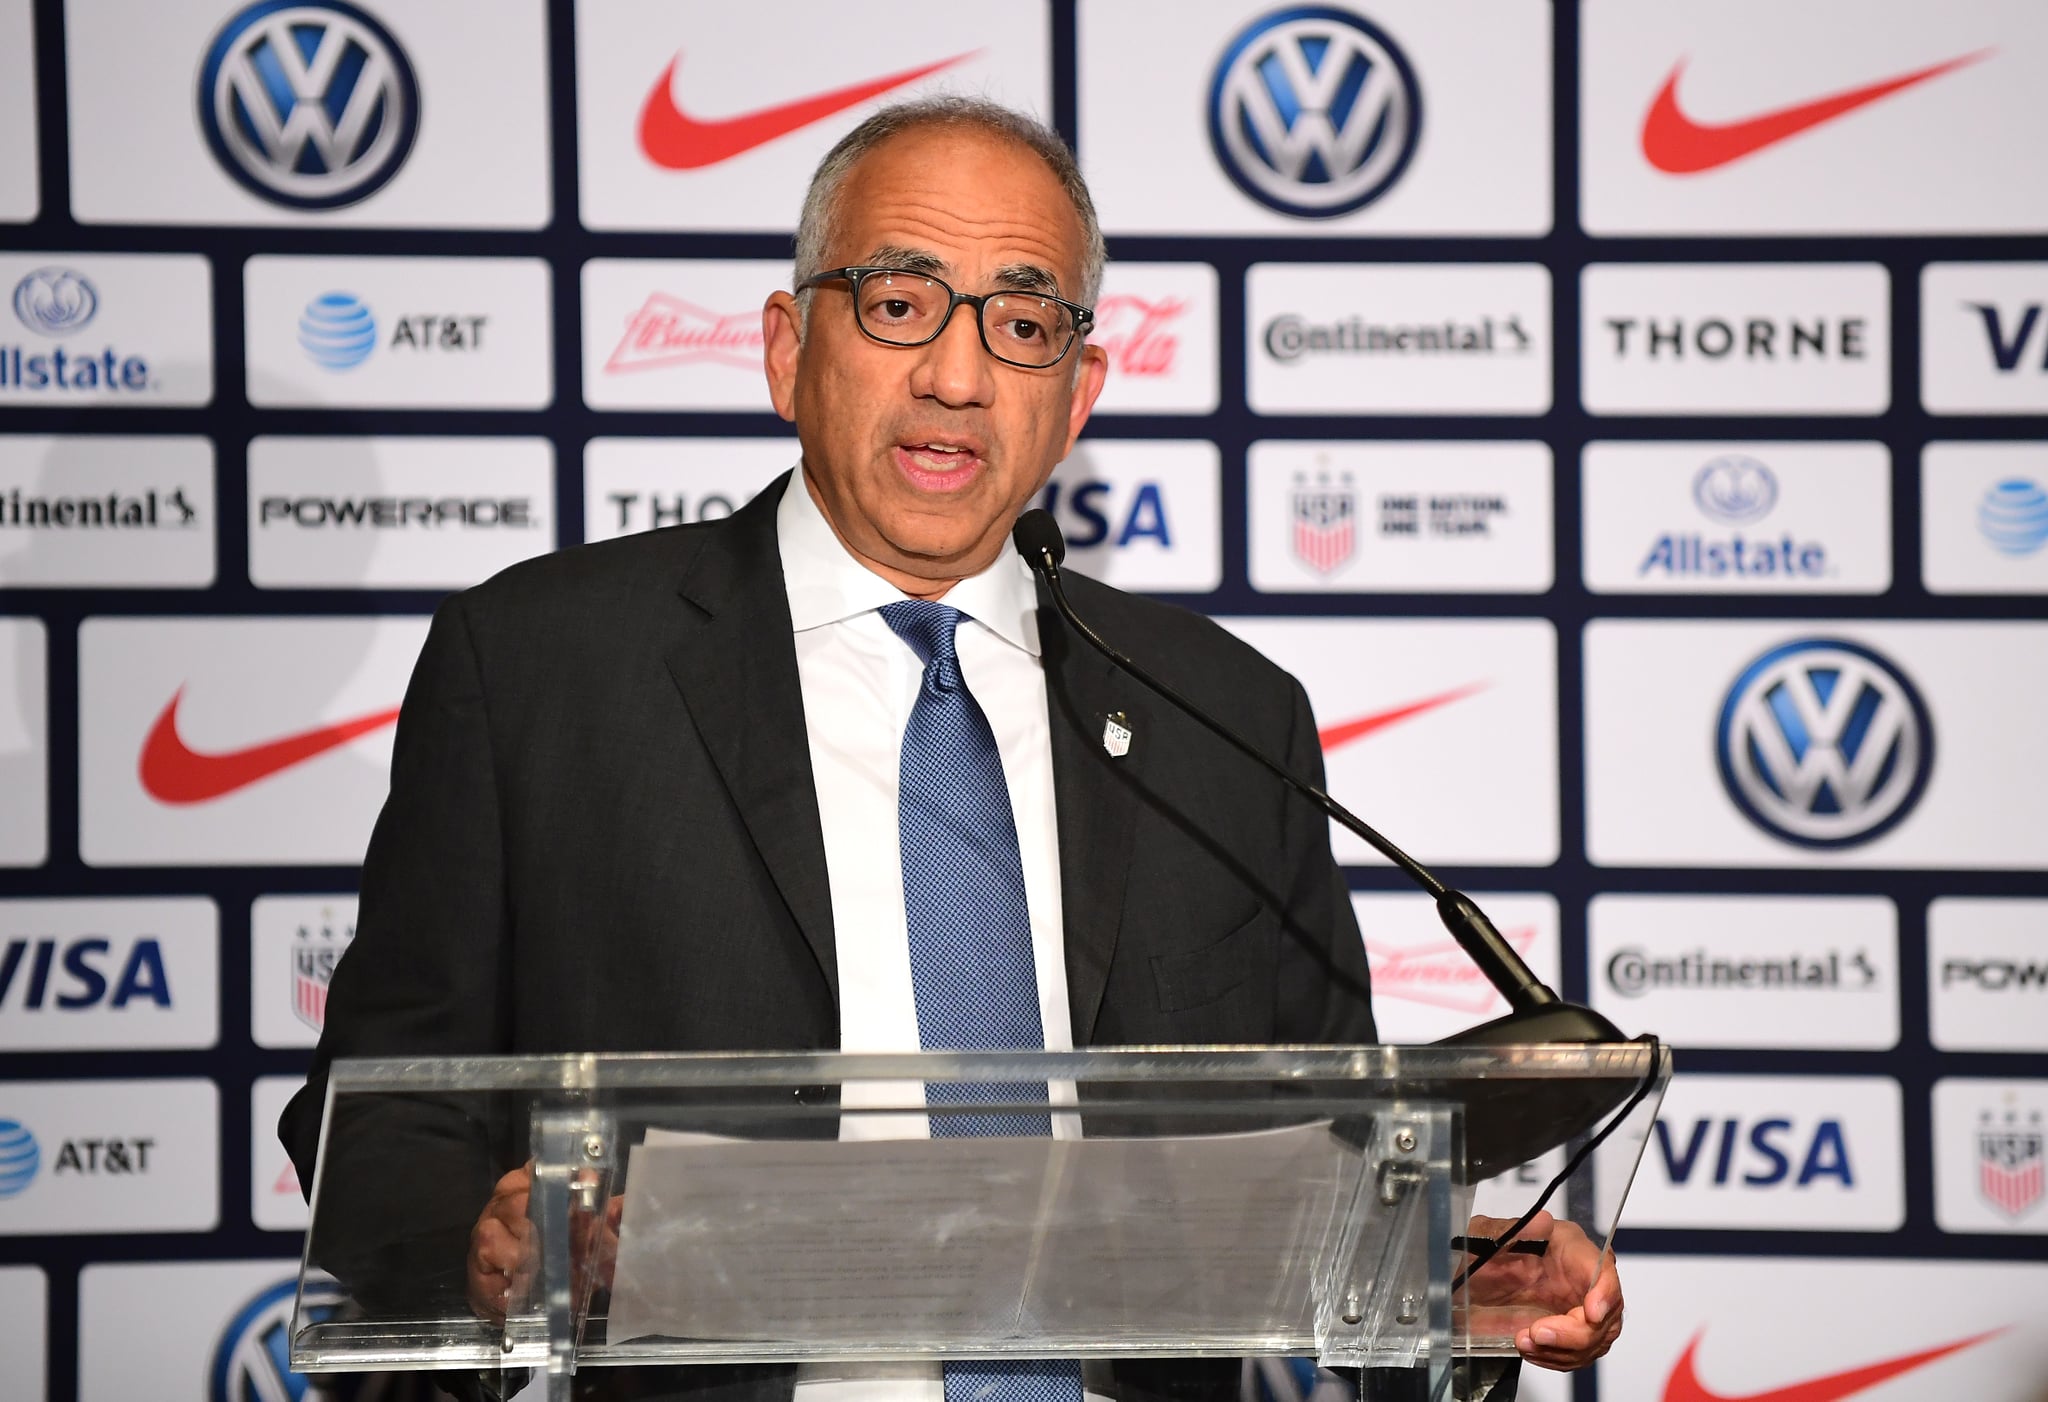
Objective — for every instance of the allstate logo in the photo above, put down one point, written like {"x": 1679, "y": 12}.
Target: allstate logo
{"x": 20, "y": 1157}
{"x": 310, "y": 104}
{"x": 1736, "y": 489}
{"x": 1314, "y": 112}
{"x": 337, "y": 331}
{"x": 2014, "y": 516}
{"x": 1824, "y": 743}
{"x": 55, "y": 301}
{"x": 249, "y": 1362}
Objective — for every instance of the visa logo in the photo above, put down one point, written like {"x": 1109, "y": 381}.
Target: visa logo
{"x": 2009, "y": 345}
{"x": 1767, "y": 1153}
{"x": 1093, "y": 512}
{"x": 72, "y": 975}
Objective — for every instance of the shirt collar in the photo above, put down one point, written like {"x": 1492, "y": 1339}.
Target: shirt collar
{"x": 827, "y": 585}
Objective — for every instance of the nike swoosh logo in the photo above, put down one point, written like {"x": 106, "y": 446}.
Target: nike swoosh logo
{"x": 674, "y": 140}
{"x": 1344, "y": 732}
{"x": 173, "y": 772}
{"x": 1678, "y": 145}
{"x": 1685, "y": 1385}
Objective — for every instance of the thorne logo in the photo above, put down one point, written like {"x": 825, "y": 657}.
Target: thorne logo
{"x": 668, "y": 330}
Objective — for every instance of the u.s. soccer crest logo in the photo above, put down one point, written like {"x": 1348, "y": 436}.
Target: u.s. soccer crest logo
{"x": 316, "y": 949}
{"x": 310, "y": 104}
{"x": 2010, "y": 1162}
{"x": 1314, "y": 112}
{"x": 1824, "y": 743}
{"x": 1325, "y": 523}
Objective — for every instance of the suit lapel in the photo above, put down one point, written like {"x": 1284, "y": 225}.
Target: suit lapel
{"x": 735, "y": 665}
{"x": 1096, "y": 807}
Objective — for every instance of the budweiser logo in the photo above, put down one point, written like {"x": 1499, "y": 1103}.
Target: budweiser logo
{"x": 1137, "y": 333}
{"x": 1441, "y": 975}
{"x": 669, "y": 331}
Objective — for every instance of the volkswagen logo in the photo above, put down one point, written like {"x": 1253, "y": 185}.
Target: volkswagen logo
{"x": 249, "y": 1360}
{"x": 1314, "y": 112}
{"x": 55, "y": 301}
{"x": 1824, "y": 743}
{"x": 309, "y": 104}
{"x": 1736, "y": 489}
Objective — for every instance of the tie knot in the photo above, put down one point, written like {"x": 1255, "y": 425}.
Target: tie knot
{"x": 928, "y": 627}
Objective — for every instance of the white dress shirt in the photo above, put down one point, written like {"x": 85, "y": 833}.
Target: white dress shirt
{"x": 859, "y": 682}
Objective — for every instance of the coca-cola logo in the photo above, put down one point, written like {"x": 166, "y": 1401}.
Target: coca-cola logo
{"x": 670, "y": 331}
{"x": 1139, "y": 333}
{"x": 1440, "y": 975}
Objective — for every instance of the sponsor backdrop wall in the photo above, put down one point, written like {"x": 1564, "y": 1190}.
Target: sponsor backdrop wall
{"x": 1626, "y": 419}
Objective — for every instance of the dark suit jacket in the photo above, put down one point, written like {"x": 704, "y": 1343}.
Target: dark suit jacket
{"x": 603, "y": 834}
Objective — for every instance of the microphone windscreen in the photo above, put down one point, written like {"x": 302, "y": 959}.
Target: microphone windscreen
{"x": 1037, "y": 537}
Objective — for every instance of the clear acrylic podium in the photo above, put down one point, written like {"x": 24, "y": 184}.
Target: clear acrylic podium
{"x": 788, "y": 1208}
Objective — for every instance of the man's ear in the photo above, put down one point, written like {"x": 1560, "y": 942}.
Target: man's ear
{"x": 1088, "y": 382}
{"x": 782, "y": 335}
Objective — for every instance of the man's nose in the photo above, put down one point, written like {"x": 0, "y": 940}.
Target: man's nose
{"x": 954, "y": 369}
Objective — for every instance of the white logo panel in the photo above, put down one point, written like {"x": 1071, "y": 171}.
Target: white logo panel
{"x": 1984, "y": 518}
{"x": 160, "y": 1329}
{"x": 1157, "y": 322}
{"x": 1855, "y": 118}
{"x": 112, "y": 330}
{"x": 1398, "y": 338}
{"x": 1424, "y": 986}
{"x": 396, "y": 513}
{"x": 1736, "y": 338}
{"x": 640, "y": 484}
{"x": 1987, "y": 974}
{"x": 431, "y": 333}
{"x": 679, "y": 334}
{"x": 276, "y": 1202}
{"x": 1351, "y": 517}
{"x": 93, "y": 975}
{"x": 1990, "y": 1156}
{"x": 109, "y": 1156}
{"x": 1984, "y": 338}
{"x": 86, "y": 512}
{"x": 1655, "y": 796}
{"x": 1737, "y": 518}
{"x": 24, "y": 1316}
{"x": 692, "y": 126}
{"x": 1776, "y": 1153}
{"x": 1480, "y": 162}
{"x": 237, "y": 741}
{"x": 1142, "y": 514}
{"x": 19, "y": 197}
{"x": 294, "y": 944}
{"x": 1748, "y": 971}
{"x": 140, "y": 156}
{"x": 1759, "y": 1326}
{"x": 24, "y": 744}
{"x": 1417, "y": 716}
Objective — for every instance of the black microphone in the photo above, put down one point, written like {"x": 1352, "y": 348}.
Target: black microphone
{"x": 1536, "y": 1013}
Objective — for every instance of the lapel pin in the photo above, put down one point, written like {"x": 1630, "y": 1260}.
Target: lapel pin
{"x": 1116, "y": 735}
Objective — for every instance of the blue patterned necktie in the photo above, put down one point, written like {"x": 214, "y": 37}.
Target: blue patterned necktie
{"x": 971, "y": 964}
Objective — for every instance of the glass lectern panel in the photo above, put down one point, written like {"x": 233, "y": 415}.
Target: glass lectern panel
{"x": 1343, "y": 1203}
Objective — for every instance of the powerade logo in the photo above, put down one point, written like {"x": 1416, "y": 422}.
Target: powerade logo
{"x": 1738, "y": 490}
{"x": 1824, "y": 743}
{"x": 20, "y": 1157}
{"x": 56, "y": 302}
{"x": 2013, "y": 516}
{"x": 1314, "y": 112}
{"x": 251, "y": 1360}
{"x": 337, "y": 331}
{"x": 309, "y": 104}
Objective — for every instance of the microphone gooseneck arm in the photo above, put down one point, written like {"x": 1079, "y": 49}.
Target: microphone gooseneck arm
{"x": 1038, "y": 539}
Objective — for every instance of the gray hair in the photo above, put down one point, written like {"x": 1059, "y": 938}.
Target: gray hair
{"x": 814, "y": 228}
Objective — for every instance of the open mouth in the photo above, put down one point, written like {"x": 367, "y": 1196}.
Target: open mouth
{"x": 938, "y": 465}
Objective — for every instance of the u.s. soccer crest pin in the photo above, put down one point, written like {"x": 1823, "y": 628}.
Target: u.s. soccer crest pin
{"x": 1116, "y": 736}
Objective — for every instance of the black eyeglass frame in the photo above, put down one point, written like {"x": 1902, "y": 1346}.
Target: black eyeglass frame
{"x": 1084, "y": 317}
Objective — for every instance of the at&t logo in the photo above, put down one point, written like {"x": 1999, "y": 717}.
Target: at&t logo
{"x": 2013, "y": 516}
{"x": 1824, "y": 743}
{"x": 249, "y": 1361}
{"x": 309, "y": 104}
{"x": 1314, "y": 112}
{"x": 55, "y": 301}
{"x": 20, "y": 1157}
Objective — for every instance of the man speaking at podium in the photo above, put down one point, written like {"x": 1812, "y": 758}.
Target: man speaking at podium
{"x": 824, "y": 774}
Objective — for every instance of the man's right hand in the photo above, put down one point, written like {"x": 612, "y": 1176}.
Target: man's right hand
{"x": 501, "y": 1247}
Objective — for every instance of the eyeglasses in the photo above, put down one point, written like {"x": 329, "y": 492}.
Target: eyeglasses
{"x": 1033, "y": 330}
